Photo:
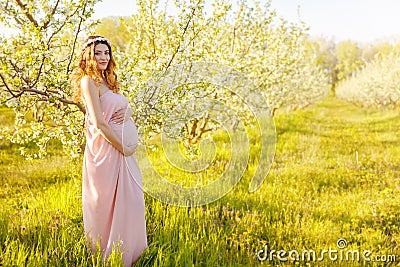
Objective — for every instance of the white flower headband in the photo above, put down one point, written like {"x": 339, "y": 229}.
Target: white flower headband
{"x": 97, "y": 39}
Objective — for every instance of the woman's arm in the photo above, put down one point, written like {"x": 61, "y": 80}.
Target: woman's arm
{"x": 92, "y": 99}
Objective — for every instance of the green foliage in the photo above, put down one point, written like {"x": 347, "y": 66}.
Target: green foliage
{"x": 379, "y": 49}
{"x": 323, "y": 52}
{"x": 348, "y": 57}
{"x": 335, "y": 175}
{"x": 116, "y": 31}
{"x": 376, "y": 85}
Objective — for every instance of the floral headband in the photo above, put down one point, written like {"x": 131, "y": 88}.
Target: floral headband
{"x": 97, "y": 39}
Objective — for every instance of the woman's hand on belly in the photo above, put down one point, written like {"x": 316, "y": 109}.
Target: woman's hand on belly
{"x": 122, "y": 115}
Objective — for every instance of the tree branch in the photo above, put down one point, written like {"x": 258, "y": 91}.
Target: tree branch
{"x": 18, "y": 70}
{"x": 76, "y": 38}
{"x": 61, "y": 99}
{"x": 183, "y": 34}
{"x": 6, "y": 85}
{"x": 8, "y": 11}
{"x": 65, "y": 20}
{"x": 27, "y": 14}
{"x": 39, "y": 71}
{"x": 46, "y": 24}
{"x": 153, "y": 41}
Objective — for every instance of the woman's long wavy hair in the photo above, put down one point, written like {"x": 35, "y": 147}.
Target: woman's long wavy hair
{"x": 88, "y": 66}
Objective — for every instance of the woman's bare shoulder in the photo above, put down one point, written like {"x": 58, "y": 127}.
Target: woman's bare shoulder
{"x": 87, "y": 81}
{"x": 88, "y": 85}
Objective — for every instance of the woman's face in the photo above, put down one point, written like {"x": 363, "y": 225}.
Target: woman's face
{"x": 102, "y": 56}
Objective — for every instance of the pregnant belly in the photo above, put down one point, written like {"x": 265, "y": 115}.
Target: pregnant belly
{"x": 127, "y": 132}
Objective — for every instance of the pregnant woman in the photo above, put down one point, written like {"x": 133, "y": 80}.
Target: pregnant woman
{"x": 112, "y": 198}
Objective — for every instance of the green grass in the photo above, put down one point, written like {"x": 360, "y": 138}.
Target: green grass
{"x": 336, "y": 174}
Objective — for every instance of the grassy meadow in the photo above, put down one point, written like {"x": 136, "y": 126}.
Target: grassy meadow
{"x": 336, "y": 175}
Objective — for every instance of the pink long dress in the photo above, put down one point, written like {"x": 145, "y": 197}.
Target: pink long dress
{"x": 112, "y": 197}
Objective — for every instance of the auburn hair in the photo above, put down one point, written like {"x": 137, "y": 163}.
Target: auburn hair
{"x": 88, "y": 67}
